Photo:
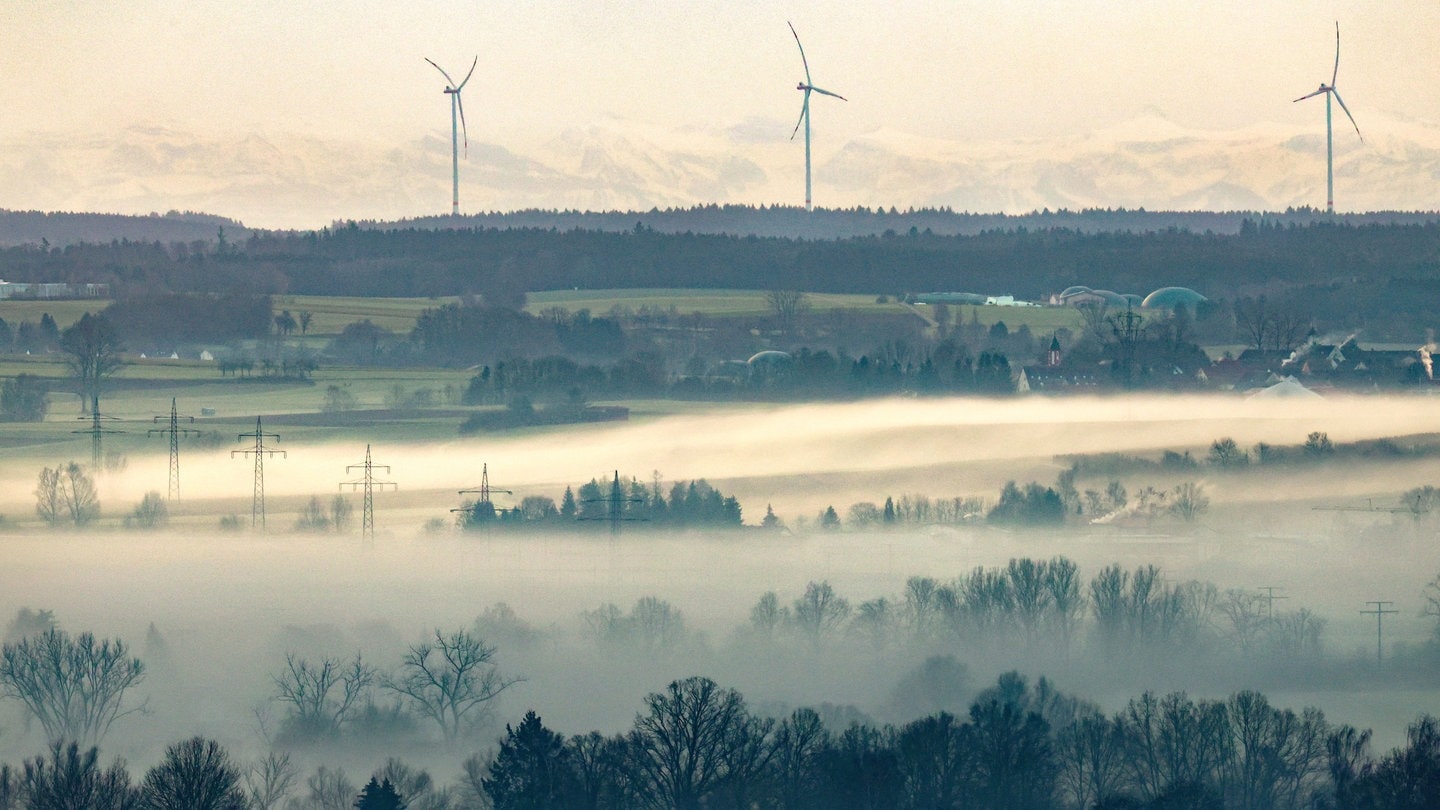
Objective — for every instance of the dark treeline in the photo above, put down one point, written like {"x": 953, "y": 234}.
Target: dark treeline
{"x": 687, "y": 504}
{"x": 1021, "y": 747}
{"x": 1372, "y": 269}
{"x": 65, "y": 228}
{"x": 61, "y": 229}
{"x": 697, "y": 744}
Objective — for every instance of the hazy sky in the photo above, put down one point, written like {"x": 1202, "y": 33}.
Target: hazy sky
{"x": 964, "y": 70}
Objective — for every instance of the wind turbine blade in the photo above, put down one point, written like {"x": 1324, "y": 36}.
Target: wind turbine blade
{"x": 828, "y": 93}
{"x": 1314, "y": 94}
{"x": 442, "y": 71}
{"x": 1337, "y": 54}
{"x": 804, "y": 111}
{"x": 461, "y": 86}
{"x": 1347, "y": 113}
{"x": 464, "y": 132}
{"x": 802, "y": 52}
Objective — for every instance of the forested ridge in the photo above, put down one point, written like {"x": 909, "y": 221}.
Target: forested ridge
{"x": 1330, "y": 258}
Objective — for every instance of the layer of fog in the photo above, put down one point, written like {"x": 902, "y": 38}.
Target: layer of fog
{"x": 954, "y": 446}
{"x": 230, "y": 605}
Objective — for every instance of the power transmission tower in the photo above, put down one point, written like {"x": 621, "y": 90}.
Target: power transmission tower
{"x": 615, "y": 512}
{"x": 367, "y": 483}
{"x": 1271, "y": 599}
{"x": 96, "y": 430}
{"x": 1379, "y": 612}
{"x": 259, "y": 451}
{"x": 484, "y": 508}
{"x": 175, "y": 432}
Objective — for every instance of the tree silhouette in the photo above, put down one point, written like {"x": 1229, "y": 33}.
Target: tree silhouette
{"x": 532, "y": 770}
{"x": 75, "y": 687}
{"x": 450, "y": 680}
{"x": 92, "y": 354}
{"x": 69, "y": 780}
{"x": 379, "y": 796}
{"x": 196, "y": 774}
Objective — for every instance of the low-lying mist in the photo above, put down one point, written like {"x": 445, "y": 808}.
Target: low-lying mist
{"x": 227, "y": 606}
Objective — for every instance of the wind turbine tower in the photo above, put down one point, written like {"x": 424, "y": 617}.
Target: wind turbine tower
{"x": 1329, "y": 90}
{"x": 807, "y": 87}
{"x": 457, "y": 129}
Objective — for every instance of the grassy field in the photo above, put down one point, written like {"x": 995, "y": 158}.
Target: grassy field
{"x": 64, "y": 312}
{"x": 144, "y": 387}
{"x": 330, "y": 314}
{"x": 333, "y": 313}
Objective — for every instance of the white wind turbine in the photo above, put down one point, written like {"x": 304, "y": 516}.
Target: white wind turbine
{"x": 1329, "y": 90}
{"x": 456, "y": 109}
{"x": 807, "y": 87}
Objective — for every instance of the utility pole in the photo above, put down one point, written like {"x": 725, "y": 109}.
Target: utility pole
{"x": 174, "y": 431}
{"x": 616, "y": 507}
{"x": 367, "y": 483}
{"x": 259, "y": 451}
{"x": 96, "y": 430}
{"x": 1271, "y": 598}
{"x": 1380, "y": 611}
{"x": 483, "y": 508}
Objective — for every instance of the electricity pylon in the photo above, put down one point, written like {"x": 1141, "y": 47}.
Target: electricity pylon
{"x": 615, "y": 512}
{"x": 175, "y": 432}
{"x": 1380, "y": 611}
{"x": 1271, "y": 599}
{"x": 484, "y": 505}
{"x": 367, "y": 483}
{"x": 96, "y": 430}
{"x": 259, "y": 451}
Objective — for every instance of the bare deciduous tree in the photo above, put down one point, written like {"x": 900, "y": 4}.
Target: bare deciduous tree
{"x": 820, "y": 611}
{"x": 450, "y": 680}
{"x": 92, "y": 354}
{"x": 71, "y": 778}
{"x": 321, "y": 696}
{"x": 340, "y": 513}
{"x": 66, "y": 494}
{"x": 74, "y": 687}
{"x": 195, "y": 774}
{"x": 329, "y": 790}
{"x": 48, "y": 503}
{"x": 787, "y": 306}
{"x": 680, "y": 750}
{"x": 1189, "y": 501}
{"x": 268, "y": 781}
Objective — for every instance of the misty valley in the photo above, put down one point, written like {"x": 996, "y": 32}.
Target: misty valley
{"x": 1056, "y": 602}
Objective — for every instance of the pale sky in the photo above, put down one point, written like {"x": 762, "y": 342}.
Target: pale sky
{"x": 967, "y": 70}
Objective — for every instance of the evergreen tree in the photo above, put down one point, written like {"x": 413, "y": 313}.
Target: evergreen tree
{"x": 379, "y": 796}
{"x": 771, "y": 520}
{"x": 532, "y": 770}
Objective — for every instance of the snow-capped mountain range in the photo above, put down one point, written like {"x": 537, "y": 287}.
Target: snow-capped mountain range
{"x": 289, "y": 181}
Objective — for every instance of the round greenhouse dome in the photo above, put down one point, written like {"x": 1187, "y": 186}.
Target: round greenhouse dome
{"x": 1171, "y": 297}
{"x": 1113, "y": 299}
{"x": 769, "y": 357}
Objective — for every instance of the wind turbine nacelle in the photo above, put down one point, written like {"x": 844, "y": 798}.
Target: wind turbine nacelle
{"x": 801, "y": 86}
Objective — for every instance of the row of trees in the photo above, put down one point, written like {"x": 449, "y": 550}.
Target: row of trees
{"x": 697, "y": 744}
{"x": 689, "y": 503}
{"x": 1046, "y": 606}
{"x": 448, "y": 680}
